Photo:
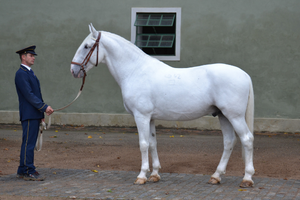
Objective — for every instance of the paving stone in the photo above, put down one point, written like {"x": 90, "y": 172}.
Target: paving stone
{"x": 117, "y": 185}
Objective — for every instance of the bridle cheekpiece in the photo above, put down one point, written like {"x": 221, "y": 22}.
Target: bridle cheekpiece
{"x": 87, "y": 58}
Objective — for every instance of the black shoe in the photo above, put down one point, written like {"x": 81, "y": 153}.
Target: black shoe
{"x": 20, "y": 175}
{"x": 33, "y": 177}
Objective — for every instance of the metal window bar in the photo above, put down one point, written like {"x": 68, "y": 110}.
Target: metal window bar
{"x": 155, "y": 40}
{"x": 143, "y": 19}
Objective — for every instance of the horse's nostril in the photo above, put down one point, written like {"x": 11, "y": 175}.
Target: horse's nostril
{"x": 73, "y": 73}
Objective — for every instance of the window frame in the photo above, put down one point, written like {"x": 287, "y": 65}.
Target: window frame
{"x": 176, "y": 10}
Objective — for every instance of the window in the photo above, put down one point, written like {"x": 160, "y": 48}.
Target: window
{"x": 157, "y": 31}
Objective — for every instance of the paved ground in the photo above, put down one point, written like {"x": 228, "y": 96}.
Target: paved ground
{"x": 75, "y": 183}
{"x": 118, "y": 185}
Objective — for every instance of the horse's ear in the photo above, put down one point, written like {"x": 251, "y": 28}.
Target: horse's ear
{"x": 93, "y": 30}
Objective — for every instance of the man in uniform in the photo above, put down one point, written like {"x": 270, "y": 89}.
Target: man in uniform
{"x": 31, "y": 109}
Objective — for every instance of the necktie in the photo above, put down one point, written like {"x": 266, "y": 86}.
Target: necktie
{"x": 32, "y": 72}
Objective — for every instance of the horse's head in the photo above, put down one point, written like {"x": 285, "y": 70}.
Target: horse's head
{"x": 88, "y": 54}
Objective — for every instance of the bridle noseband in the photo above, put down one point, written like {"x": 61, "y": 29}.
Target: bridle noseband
{"x": 87, "y": 58}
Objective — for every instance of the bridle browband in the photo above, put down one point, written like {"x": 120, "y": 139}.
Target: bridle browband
{"x": 87, "y": 59}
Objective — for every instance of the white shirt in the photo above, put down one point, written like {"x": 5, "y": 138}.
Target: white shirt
{"x": 26, "y": 67}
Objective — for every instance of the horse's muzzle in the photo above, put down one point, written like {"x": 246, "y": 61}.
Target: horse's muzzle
{"x": 78, "y": 74}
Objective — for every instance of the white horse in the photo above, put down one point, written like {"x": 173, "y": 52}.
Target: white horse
{"x": 153, "y": 90}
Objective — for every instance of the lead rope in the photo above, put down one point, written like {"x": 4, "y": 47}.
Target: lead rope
{"x": 39, "y": 142}
{"x": 43, "y": 126}
{"x": 49, "y": 123}
{"x": 79, "y": 93}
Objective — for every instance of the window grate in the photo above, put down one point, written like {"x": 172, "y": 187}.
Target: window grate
{"x": 155, "y": 40}
{"x": 146, "y": 22}
{"x": 143, "y": 19}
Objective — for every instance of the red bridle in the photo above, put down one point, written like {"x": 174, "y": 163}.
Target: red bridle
{"x": 87, "y": 59}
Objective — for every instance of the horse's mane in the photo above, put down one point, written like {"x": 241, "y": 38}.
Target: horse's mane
{"x": 122, "y": 42}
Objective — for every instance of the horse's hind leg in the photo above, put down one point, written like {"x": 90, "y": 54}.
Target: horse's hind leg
{"x": 153, "y": 150}
{"x": 247, "y": 138}
{"x": 229, "y": 139}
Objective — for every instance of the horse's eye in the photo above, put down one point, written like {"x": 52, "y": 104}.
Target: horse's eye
{"x": 86, "y": 46}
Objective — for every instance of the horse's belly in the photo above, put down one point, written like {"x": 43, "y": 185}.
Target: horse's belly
{"x": 182, "y": 111}
{"x": 170, "y": 116}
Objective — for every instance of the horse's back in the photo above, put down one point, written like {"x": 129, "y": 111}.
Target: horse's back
{"x": 218, "y": 77}
{"x": 225, "y": 71}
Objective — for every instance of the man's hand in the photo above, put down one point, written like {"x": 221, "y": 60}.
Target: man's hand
{"x": 49, "y": 110}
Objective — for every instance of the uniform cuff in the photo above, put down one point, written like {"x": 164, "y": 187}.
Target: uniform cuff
{"x": 43, "y": 108}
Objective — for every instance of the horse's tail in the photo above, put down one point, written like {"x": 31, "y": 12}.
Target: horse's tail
{"x": 249, "y": 117}
{"x": 250, "y": 109}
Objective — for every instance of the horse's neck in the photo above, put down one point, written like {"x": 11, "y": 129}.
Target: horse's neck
{"x": 122, "y": 57}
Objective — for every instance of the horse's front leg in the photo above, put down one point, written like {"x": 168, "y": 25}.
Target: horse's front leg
{"x": 143, "y": 126}
{"x": 153, "y": 150}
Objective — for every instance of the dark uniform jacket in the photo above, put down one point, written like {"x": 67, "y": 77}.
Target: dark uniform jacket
{"x": 31, "y": 105}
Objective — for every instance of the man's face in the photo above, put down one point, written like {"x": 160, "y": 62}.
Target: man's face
{"x": 28, "y": 59}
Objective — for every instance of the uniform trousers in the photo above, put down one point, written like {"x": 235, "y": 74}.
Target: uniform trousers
{"x": 29, "y": 138}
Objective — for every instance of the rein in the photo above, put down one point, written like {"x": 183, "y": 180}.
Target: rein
{"x": 38, "y": 146}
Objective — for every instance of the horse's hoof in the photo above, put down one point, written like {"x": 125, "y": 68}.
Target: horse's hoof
{"x": 140, "y": 181}
{"x": 246, "y": 184}
{"x": 154, "y": 178}
{"x": 213, "y": 181}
